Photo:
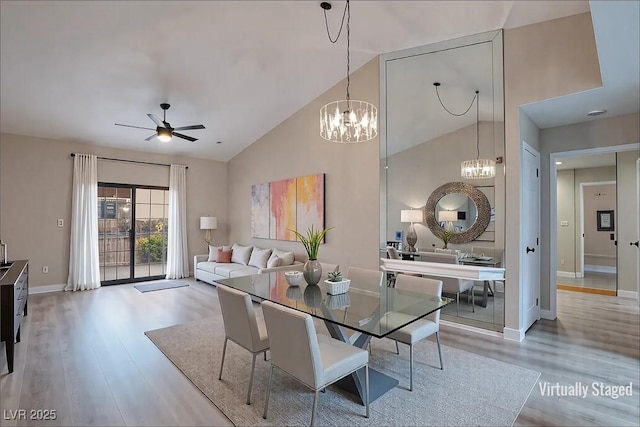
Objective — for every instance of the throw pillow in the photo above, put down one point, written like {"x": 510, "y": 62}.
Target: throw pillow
{"x": 224, "y": 256}
{"x": 286, "y": 258}
{"x": 241, "y": 254}
{"x": 259, "y": 257}
{"x": 213, "y": 252}
{"x": 274, "y": 261}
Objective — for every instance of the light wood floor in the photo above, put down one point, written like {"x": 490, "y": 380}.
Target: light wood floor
{"x": 84, "y": 354}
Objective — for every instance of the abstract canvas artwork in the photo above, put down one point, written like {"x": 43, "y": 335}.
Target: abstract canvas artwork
{"x": 289, "y": 204}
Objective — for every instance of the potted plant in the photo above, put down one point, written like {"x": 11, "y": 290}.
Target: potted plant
{"x": 337, "y": 284}
{"x": 311, "y": 241}
{"x": 445, "y": 236}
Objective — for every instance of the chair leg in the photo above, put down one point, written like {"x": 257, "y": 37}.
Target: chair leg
{"x": 473, "y": 300}
{"x": 253, "y": 368}
{"x": 458, "y": 304}
{"x": 266, "y": 402}
{"x": 315, "y": 406}
{"x": 366, "y": 385}
{"x": 265, "y": 355}
{"x": 397, "y": 349}
{"x": 410, "y": 367}
{"x": 224, "y": 351}
{"x": 439, "y": 350}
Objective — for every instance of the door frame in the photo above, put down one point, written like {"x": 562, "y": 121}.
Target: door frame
{"x": 553, "y": 213}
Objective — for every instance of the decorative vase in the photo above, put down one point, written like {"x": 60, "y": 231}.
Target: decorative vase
{"x": 312, "y": 271}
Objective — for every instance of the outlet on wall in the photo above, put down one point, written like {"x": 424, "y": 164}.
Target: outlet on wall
{"x": 60, "y": 222}
{"x": 561, "y": 261}
{"x": 45, "y": 269}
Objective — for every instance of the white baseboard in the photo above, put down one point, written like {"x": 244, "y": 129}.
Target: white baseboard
{"x": 45, "y": 289}
{"x": 546, "y": 314}
{"x": 599, "y": 269}
{"x": 571, "y": 274}
{"x": 579, "y": 275}
{"x": 514, "y": 334}
{"x": 627, "y": 294}
{"x": 470, "y": 328}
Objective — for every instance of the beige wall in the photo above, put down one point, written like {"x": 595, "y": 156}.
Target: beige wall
{"x": 595, "y": 242}
{"x": 36, "y": 180}
{"x": 295, "y": 148}
{"x": 566, "y": 245}
{"x": 628, "y": 174}
{"x": 542, "y": 61}
{"x": 599, "y": 249}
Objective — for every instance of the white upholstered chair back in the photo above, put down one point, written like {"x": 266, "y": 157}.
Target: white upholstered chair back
{"x": 365, "y": 279}
{"x": 293, "y": 342}
{"x": 448, "y": 284}
{"x": 423, "y": 285}
{"x": 239, "y": 317}
{"x": 392, "y": 252}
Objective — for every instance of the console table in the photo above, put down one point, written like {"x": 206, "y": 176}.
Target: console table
{"x": 14, "y": 292}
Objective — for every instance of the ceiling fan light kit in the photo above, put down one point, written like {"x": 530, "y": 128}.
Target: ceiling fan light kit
{"x": 164, "y": 131}
{"x": 347, "y": 120}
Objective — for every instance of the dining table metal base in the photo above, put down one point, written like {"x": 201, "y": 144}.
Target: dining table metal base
{"x": 354, "y": 383}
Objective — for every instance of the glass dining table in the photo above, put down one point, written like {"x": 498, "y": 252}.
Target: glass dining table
{"x": 353, "y": 317}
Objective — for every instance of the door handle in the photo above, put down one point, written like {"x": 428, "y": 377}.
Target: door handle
{"x": 635, "y": 243}
{"x": 530, "y": 249}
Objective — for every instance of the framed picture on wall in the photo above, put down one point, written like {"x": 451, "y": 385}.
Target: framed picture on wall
{"x": 605, "y": 221}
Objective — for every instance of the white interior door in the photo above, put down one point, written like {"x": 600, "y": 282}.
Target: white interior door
{"x": 628, "y": 227}
{"x": 530, "y": 235}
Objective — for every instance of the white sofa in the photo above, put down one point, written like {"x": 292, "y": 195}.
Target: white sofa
{"x": 245, "y": 261}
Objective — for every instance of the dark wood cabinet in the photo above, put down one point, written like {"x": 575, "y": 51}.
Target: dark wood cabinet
{"x": 14, "y": 295}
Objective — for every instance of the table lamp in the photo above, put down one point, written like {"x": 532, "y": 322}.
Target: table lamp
{"x": 411, "y": 216}
{"x": 208, "y": 223}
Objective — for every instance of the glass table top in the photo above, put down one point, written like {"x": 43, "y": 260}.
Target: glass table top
{"x": 360, "y": 310}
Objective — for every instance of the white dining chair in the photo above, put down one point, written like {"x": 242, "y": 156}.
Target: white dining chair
{"x": 242, "y": 327}
{"x": 316, "y": 361}
{"x": 420, "y": 329}
{"x": 451, "y": 285}
{"x": 365, "y": 279}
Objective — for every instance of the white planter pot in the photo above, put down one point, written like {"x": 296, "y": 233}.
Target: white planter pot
{"x": 336, "y": 288}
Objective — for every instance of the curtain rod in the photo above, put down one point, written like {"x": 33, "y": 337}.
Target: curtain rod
{"x": 131, "y": 161}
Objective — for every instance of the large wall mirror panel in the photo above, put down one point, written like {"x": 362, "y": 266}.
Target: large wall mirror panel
{"x": 422, "y": 146}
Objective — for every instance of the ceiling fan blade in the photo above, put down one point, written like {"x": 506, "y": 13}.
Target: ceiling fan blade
{"x": 190, "y": 127}
{"x": 156, "y": 120}
{"x": 151, "y": 137}
{"x": 130, "y": 126}
{"x": 188, "y": 138}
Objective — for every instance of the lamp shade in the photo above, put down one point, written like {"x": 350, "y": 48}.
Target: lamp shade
{"x": 208, "y": 223}
{"x": 447, "y": 216}
{"x": 411, "y": 215}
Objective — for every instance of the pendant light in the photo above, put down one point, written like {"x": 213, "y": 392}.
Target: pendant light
{"x": 475, "y": 168}
{"x": 347, "y": 120}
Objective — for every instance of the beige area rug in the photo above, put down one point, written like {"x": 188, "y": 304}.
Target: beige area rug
{"x": 471, "y": 390}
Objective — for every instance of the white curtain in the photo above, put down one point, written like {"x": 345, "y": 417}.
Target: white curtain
{"x": 84, "y": 262}
{"x": 177, "y": 250}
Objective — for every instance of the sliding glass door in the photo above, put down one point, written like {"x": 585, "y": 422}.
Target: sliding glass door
{"x": 132, "y": 232}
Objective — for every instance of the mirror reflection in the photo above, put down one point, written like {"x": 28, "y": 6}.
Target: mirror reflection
{"x": 456, "y": 212}
{"x": 422, "y": 147}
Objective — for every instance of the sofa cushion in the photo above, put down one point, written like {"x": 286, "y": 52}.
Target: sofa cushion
{"x": 273, "y": 262}
{"x": 209, "y": 267}
{"x": 247, "y": 271}
{"x": 259, "y": 257}
{"x": 241, "y": 254}
{"x": 286, "y": 258}
{"x": 213, "y": 252}
{"x": 224, "y": 256}
{"x": 226, "y": 269}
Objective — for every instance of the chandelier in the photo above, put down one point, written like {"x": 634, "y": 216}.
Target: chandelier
{"x": 475, "y": 168}
{"x": 347, "y": 120}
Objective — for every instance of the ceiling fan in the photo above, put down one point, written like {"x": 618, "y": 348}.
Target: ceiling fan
{"x": 164, "y": 131}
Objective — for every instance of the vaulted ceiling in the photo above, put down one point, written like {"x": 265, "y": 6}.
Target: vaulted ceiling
{"x": 70, "y": 70}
